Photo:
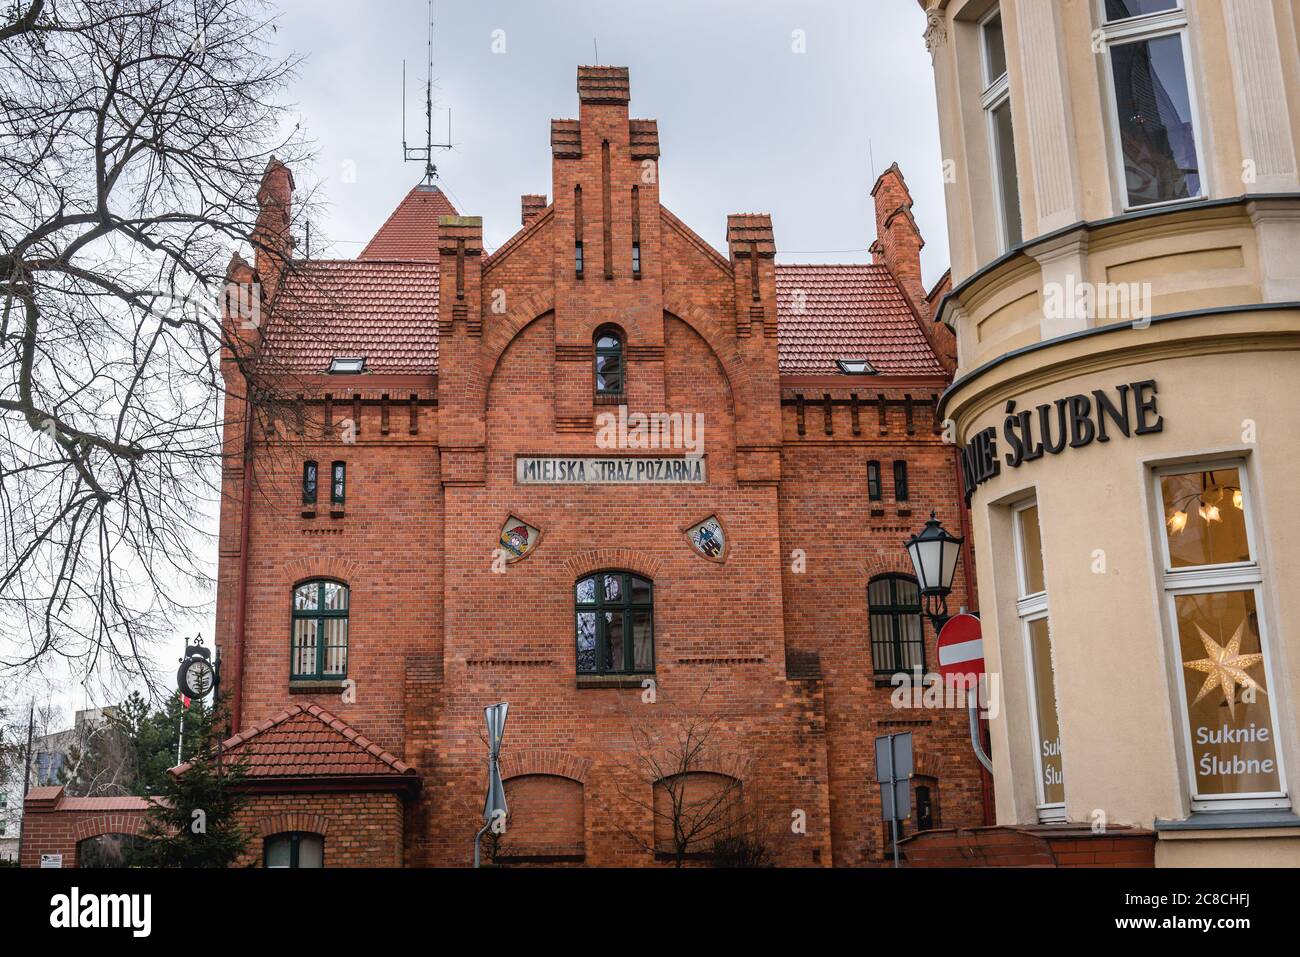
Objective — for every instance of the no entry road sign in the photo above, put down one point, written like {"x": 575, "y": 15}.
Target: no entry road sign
{"x": 961, "y": 647}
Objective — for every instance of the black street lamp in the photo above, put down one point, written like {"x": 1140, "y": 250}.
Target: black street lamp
{"x": 934, "y": 556}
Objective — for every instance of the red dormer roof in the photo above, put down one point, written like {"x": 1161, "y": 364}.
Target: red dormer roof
{"x": 826, "y": 313}
{"x": 309, "y": 742}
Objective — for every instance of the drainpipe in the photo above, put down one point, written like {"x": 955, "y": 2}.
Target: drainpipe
{"x": 972, "y": 596}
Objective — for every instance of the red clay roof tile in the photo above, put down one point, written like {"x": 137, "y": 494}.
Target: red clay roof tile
{"x": 307, "y": 741}
{"x": 825, "y": 313}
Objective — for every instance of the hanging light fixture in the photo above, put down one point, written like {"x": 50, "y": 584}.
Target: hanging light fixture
{"x": 934, "y": 557}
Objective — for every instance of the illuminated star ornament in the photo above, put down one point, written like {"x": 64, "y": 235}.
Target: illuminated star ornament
{"x": 1225, "y": 668}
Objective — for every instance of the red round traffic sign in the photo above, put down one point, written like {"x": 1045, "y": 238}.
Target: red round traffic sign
{"x": 961, "y": 647}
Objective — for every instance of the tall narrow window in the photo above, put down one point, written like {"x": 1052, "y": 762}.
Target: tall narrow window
{"x": 1214, "y": 593}
{"x": 578, "y": 263}
{"x": 873, "y": 481}
{"x": 615, "y": 624}
{"x": 1153, "y": 108}
{"x": 996, "y": 100}
{"x": 901, "y": 491}
{"x": 636, "y": 232}
{"x": 338, "y": 484}
{"x": 609, "y": 362}
{"x": 310, "y": 477}
{"x": 894, "y": 616}
{"x": 320, "y": 630}
{"x": 1031, "y": 606}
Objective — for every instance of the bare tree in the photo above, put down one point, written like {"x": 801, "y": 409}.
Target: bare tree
{"x": 134, "y": 135}
{"x": 686, "y": 769}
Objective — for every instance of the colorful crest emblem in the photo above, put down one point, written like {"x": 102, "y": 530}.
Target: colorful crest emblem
{"x": 708, "y": 538}
{"x": 517, "y": 538}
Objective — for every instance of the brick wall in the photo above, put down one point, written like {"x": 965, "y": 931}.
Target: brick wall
{"x": 361, "y": 829}
{"x": 436, "y": 634}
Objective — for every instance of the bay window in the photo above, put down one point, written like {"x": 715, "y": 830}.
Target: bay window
{"x": 996, "y": 100}
{"x": 1152, "y": 102}
{"x": 1035, "y": 630}
{"x": 1213, "y": 590}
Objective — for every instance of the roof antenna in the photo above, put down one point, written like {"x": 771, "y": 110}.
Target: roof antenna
{"x": 424, "y": 154}
{"x": 596, "y": 48}
{"x": 871, "y": 154}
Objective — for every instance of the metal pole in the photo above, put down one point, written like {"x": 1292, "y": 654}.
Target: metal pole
{"x": 477, "y": 838}
{"x": 893, "y": 801}
{"x": 180, "y": 737}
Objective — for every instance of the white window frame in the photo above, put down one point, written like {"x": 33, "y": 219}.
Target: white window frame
{"x": 1150, "y": 26}
{"x": 1214, "y": 579}
{"x": 1032, "y": 607}
{"x": 997, "y": 91}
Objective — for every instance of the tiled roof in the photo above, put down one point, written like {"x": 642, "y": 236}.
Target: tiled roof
{"x": 825, "y": 313}
{"x": 411, "y": 232}
{"x": 307, "y": 741}
{"x": 385, "y": 311}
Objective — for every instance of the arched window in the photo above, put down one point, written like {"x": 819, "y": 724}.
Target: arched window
{"x": 320, "y": 630}
{"x": 294, "y": 849}
{"x": 615, "y": 624}
{"x": 609, "y": 361}
{"x": 894, "y": 609}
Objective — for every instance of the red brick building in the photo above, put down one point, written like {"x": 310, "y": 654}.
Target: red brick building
{"x": 458, "y": 520}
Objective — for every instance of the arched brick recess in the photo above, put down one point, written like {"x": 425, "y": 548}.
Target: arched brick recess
{"x": 108, "y": 824}
{"x": 503, "y": 331}
{"x": 560, "y": 764}
{"x": 599, "y": 559}
{"x": 322, "y": 566}
{"x": 292, "y": 821}
{"x": 712, "y": 332}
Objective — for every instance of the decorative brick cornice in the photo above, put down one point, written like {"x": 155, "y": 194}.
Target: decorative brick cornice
{"x": 560, "y": 764}
{"x": 600, "y": 559}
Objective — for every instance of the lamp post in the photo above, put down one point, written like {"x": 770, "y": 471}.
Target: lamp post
{"x": 934, "y": 555}
{"x": 494, "y": 805}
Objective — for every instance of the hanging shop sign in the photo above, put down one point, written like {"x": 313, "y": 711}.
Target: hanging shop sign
{"x": 1071, "y": 422}
{"x": 611, "y": 470}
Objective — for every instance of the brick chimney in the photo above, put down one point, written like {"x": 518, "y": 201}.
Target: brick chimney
{"x": 898, "y": 248}
{"x": 272, "y": 244}
{"x": 531, "y": 206}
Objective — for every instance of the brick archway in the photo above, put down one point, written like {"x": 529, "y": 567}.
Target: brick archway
{"x": 110, "y": 823}
{"x": 872, "y": 566}
{"x": 322, "y": 566}
{"x": 292, "y": 821}
{"x": 600, "y": 559}
{"x": 561, "y": 764}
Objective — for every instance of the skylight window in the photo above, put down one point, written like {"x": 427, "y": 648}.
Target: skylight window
{"x": 855, "y": 367}
{"x": 343, "y": 365}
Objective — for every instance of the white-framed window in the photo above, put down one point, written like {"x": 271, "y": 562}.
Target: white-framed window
{"x": 1035, "y": 632}
{"x": 996, "y": 101}
{"x": 1214, "y": 597}
{"x": 1152, "y": 102}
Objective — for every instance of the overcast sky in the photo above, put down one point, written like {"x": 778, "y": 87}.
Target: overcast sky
{"x": 746, "y": 123}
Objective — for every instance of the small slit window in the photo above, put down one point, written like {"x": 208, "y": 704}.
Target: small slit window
{"x": 338, "y": 483}
{"x": 901, "y": 491}
{"x": 310, "y": 478}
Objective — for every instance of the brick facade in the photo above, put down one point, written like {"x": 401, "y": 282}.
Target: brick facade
{"x": 772, "y": 641}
